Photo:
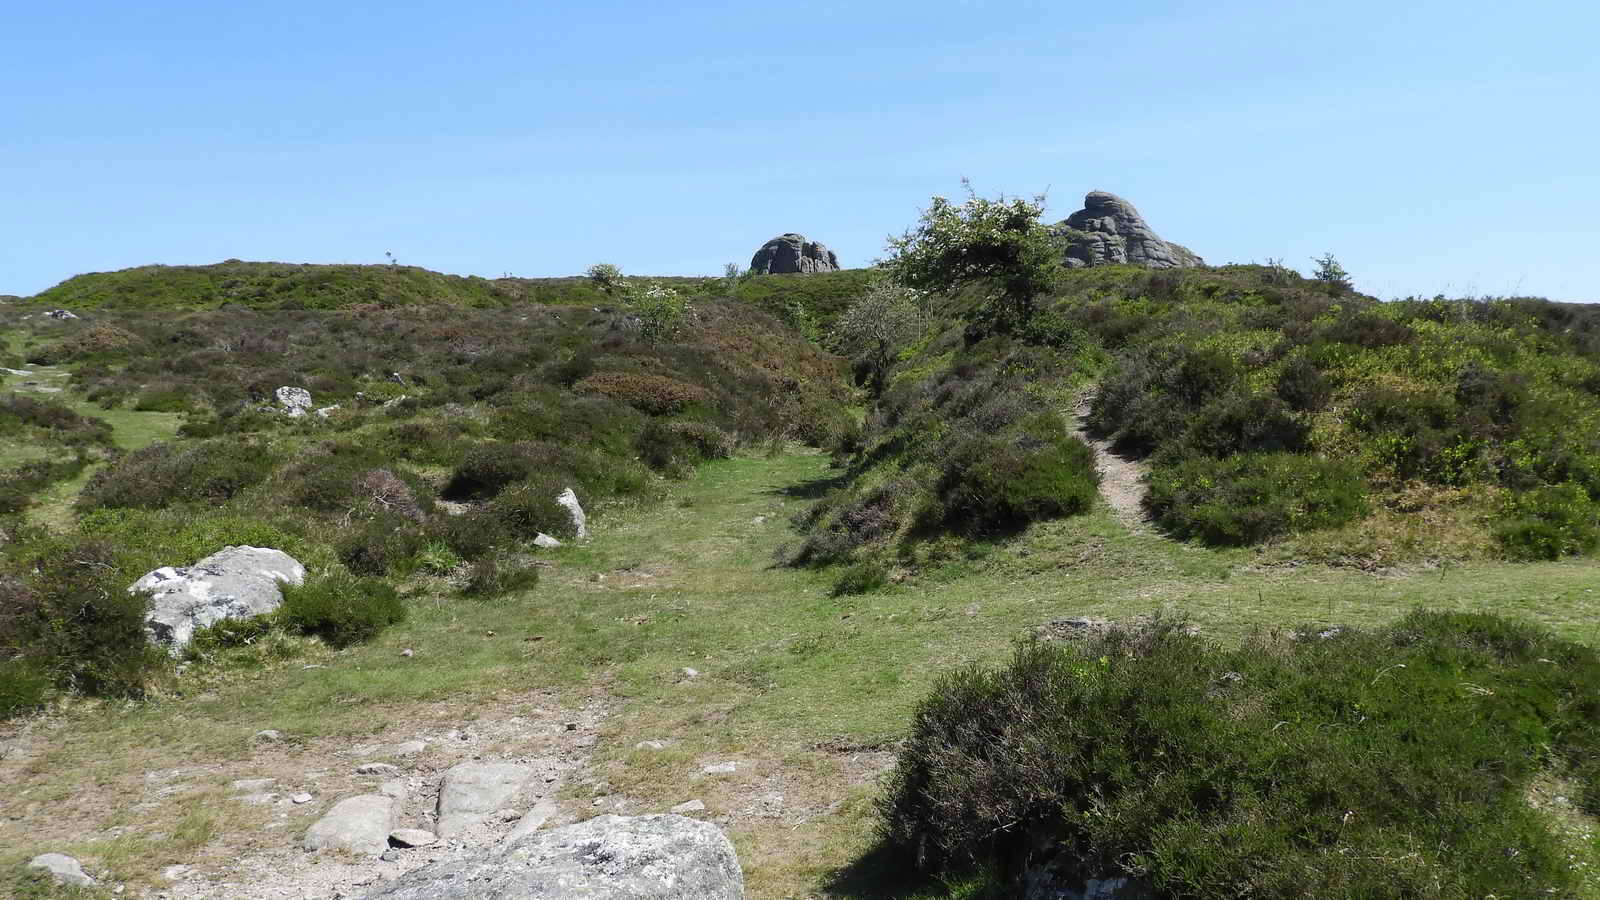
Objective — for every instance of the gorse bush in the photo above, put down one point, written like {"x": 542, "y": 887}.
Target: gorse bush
{"x": 1550, "y": 522}
{"x": 1338, "y": 763}
{"x": 341, "y": 609}
{"x": 1250, "y": 497}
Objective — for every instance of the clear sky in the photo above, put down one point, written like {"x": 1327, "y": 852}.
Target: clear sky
{"x": 1432, "y": 146}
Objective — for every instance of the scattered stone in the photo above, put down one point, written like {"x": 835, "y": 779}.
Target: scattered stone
{"x": 174, "y": 873}
{"x": 296, "y": 402}
{"x": 650, "y": 745}
{"x": 726, "y": 768}
{"x": 689, "y": 806}
{"x": 407, "y": 653}
{"x": 471, "y": 791}
{"x": 61, "y": 314}
{"x": 407, "y": 748}
{"x": 376, "y": 769}
{"x": 531, "y": 821}
{"x": 63, "y": 869}
{"x": 690, "y": 673}
{"x": 233, "y": 583}
{"x": 411, "y": 837}
{"x": 254, "y": 784}
{"x": 390, "y": 855}
{"x": 358, "y": 824}
{"x": 1108, "y": 230}
{"x": 605, "y": 858}
{"x": 326, "y": 411}
{"x": 260, "y": 798}
{"x": 792, "y": 253}
{"x": 546, "y": 541}
{"x": 580, "y": 522}
{"x": 269, "y": 734}
{"x": 301, "y": 797}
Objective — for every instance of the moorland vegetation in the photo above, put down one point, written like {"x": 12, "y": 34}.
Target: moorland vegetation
{"x": 1282, "y": 419}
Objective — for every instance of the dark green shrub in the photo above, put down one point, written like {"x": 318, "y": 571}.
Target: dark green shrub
{"x": 70, "y": 616}
{"x": 1339, "y": 764}
{"x": 495, "y": 576}
{"x": 1250, "y": 497}
{"x": 677, "y": 447}
{"x": 189, "y": 472}
{"x": 1303, "y": 386}
{"x": 23, "y": 687}
{"x": 341, "y": 609}
{"x": 1244, "y": 422}
{"x": 530, "y": 507}
{"x": 380, "y": 544}
{"x": 998, "y": 484}
{"x": 860, "y": 578}
{"x": 1550, "y": 522}
{"x": 487, "y": 469}
{"x": 226, "y": 634}
{"x": 472, "y": 534}
{"x": 52, "y": 421}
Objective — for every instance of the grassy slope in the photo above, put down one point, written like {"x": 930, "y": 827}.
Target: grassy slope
{"x": 797, "y": 686}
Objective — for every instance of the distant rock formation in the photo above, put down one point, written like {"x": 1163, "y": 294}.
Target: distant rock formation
{"x": 1108, "y": 230}
{"x": 788, "y": 253}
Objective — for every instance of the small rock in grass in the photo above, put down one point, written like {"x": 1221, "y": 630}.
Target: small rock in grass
{"x": 690, "y": 673}
{"x": 689, "y": 806}
{"x": 411, "y": 837}
{"x": 174, "y": 873}
{"x": 726, "y": 768}
{"x": 63, "y": 869}
{"x": 544, "y": 540}
{"x": 650, "y": 745}
{"x": 407, "y": 748}
{"x": 269, "y": 734}
{"x": 376, "y": 769}
{"x": 407, "y": 652}
{"x": 301, "y": 797}
{"x": 254, "y": 784}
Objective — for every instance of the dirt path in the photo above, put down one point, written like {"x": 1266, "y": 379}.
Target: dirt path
{"x": 1121, "y": 479}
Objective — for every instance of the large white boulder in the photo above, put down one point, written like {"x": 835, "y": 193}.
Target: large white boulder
{"x": 606, "y": 858}
{"x": 233, "y": 583}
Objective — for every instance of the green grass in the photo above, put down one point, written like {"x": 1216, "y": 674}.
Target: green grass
{"x": 789, "y": 673}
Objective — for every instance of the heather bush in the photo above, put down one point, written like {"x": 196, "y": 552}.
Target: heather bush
{"x": 1249, "y": 497}
{"x": 656, "y": 395}
{"x": 1290, "y": 767}
{"x": 341, "y": 609}
{"x": 498, "y": 575}
{"x": 163, "y": 474}
{"x": 530, "y": 507}
{"x": 998, "y": 484}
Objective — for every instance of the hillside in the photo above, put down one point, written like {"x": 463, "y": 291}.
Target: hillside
{"x": 822, "y": 512}
{"x": 1269, "y": 410}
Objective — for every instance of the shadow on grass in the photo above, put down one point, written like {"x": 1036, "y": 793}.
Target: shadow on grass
{"x": 811, "y": 488}
{"x": 884, "y": 873}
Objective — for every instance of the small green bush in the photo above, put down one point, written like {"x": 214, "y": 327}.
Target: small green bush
{"x": 1334, "y": 764}
{"x": 23, "y": 687}
{"x": 68, "y": 615}
{"x": 162, "y": 474}
{"x": 380, "y": 544}
{"x": 1253, "y": 496}
{"x": 472, "y": 534}
{"x": 860, "y": 578}
{"x": 341, "y": 609}
{"x": 675, "y": 448}
{"x": 496, "y": 576}
{"x": 999, "y": 484}
{"x": 1550, "y": 522}
{"x": 530, "y": 507}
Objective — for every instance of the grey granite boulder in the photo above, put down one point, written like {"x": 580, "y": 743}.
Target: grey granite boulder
{"x": 233, "y": 583}
{"x": 1108, "y": 230}
{"x": 296, "y": 402}
{"x": 471, "y": 791}
{"x": 580, "y": 522}
{"x": 63, "y": 869}
{"x": 792, "y": 253}
{"x": 606, "y": 858}
{"x": 360, "y": 824}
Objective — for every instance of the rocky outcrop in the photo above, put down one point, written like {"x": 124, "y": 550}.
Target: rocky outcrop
{"x": 1108, "y": 230}
{"x": 607, "y": 858}
{"x": 63, "y": 869}
{"x": 359, "y": 824}
{"x": 791, "y": 253}
{"x": 233, "y": 583}
{"x": 295, "y": 402}
{"x": 471, "y": 791}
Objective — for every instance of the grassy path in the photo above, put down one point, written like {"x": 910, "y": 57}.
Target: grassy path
{"x": 805, "y": 693}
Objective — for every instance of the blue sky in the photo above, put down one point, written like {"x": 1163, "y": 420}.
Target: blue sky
{"x": 1433, "y": 147}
